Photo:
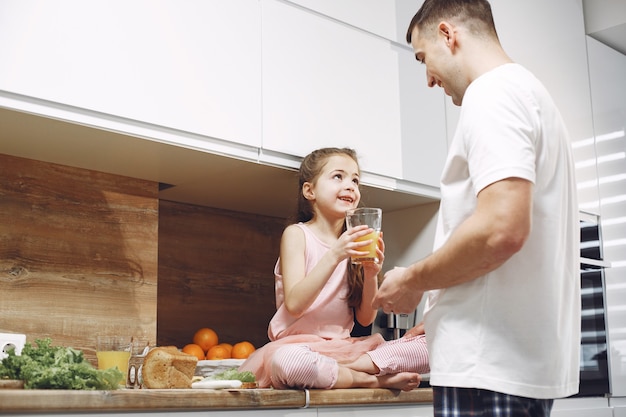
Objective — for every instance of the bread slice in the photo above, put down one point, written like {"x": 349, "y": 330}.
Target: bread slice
{"x": 167, "y": 367}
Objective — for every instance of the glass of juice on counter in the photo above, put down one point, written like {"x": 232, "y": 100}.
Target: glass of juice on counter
{"x": 372, "y": 217}
{"x": 114, "y": 351}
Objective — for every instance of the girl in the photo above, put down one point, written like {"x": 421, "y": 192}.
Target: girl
{"x": 319, "y": 293}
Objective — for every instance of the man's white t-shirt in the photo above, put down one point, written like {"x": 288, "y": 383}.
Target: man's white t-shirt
{"x": 515, "y": 330}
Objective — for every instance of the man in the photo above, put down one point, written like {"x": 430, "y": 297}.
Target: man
{"x": 502, "y": 317}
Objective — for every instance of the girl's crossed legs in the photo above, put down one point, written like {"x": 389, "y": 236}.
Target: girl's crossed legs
{"x": 395, "y": 364}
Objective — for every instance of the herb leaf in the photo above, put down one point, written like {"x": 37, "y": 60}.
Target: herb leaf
{"x": 55, "y": 367}
{"x": 232, "y": 374}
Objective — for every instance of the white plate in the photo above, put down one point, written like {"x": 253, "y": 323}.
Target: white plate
{"x": 213, "y": 367}
{"x": 222, "y": 362}
{"x": 216, "y": 384}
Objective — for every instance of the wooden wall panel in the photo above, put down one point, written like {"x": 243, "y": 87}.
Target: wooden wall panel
{"x": 215, "y": 270}
{"x": 78, "y": 253}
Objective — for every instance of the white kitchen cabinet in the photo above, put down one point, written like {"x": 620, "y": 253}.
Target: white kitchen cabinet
{"x": 422, "y": 123}
{"x": 326, "y": 84}
{"x": 582, "y": 407}
{"x": 388, "y": 19}
{"x": 416, "y": 410}
{"x": 192, "y": 66}
{"x": 608, "y": 88}
{"x": 204, "y": 75}
{"x": 329, "y": 84}
{"x": 422, "y": 109}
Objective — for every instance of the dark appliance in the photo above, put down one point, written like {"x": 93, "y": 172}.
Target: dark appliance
{"x": 594, "y": 367}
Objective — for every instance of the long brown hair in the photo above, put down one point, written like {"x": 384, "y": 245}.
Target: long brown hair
{"x": 310, "y": 169}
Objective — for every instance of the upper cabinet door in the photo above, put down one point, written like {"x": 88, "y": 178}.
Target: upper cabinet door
{"x": 552, "y": 45}
{"x": 326, "y": 83}
{"x": 388, "y": 19}
{"x": 192, "y": 65}
{"x": 423, "y": 124}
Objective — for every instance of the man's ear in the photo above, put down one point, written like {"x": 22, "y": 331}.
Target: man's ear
{"x": 307, "y": 191}
{"x": 447, "y": 33}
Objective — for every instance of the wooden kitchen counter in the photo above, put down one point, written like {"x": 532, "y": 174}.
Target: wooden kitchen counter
{"x": 36, "y": 401}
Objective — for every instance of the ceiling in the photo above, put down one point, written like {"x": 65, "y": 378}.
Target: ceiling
{"x": 605, "y": 21}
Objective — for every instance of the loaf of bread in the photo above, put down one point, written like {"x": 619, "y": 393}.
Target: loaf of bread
{"x": 167, "y": 367}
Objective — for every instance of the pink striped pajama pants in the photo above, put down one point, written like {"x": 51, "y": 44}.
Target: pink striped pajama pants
{"x": 297, "y": 366}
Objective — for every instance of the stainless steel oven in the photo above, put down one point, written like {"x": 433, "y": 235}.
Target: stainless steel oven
{"x": 594, "y": 367}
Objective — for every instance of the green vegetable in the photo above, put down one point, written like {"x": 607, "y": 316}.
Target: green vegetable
{"x": 55, "y": 367}
{"x": 232, "y": 374}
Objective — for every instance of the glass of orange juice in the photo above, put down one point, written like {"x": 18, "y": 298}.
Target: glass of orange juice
{"x": 372, "y": 217}
{"x": 114, "y": 351}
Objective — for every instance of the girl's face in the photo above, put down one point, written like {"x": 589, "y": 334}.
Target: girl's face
{"x": 336, "y": 189}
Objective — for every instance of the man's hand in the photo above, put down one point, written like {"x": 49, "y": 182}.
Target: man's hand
{"x": 395, "y": 294}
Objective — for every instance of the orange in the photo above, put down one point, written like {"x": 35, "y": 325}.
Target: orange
{"x": 205, "y": 338}
{"x": 242, "y": 350}
{"x": 218, "y": 352}
{"x": 228, "y": 346}
{"x": 195, "y": 350}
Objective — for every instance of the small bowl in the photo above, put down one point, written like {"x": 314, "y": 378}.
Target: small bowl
{"x": 208, "y": 368}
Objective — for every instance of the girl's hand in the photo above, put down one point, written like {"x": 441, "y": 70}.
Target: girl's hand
{"x": 346, "y": 245}
{"x": 415, "y": 331}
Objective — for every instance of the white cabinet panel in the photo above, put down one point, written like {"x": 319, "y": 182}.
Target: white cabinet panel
{"x": 619, "y": 406}
{"x": 192, "y": 65}
{"x": 582, "y": 407}
{"x": 327, "y": 84}
{"x": 422, "y": 109}
{"x": 389, "y": 18}
{"x": 599, "y": 412}
{"x": 551, "y": 44}
{"x": 608, "y": 90}
{"x": 417, "y": 410}
{"x": 423, "y": 123}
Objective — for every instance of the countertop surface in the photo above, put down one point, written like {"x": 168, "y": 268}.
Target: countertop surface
{"x": 24, "y": 401}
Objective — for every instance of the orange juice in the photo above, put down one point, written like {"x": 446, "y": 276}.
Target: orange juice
{"x": 371, "y": 249}
{"x": 114, "y": 358}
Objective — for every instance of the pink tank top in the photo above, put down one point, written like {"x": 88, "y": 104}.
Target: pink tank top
{"x": 329, "y": 316}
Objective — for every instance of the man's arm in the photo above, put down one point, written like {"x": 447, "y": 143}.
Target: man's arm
{"x": 495, "y": 231}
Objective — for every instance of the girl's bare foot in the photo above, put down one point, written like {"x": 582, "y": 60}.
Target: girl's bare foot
{"x": 349, "y": 378}
{"x": 405, "y": 381}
